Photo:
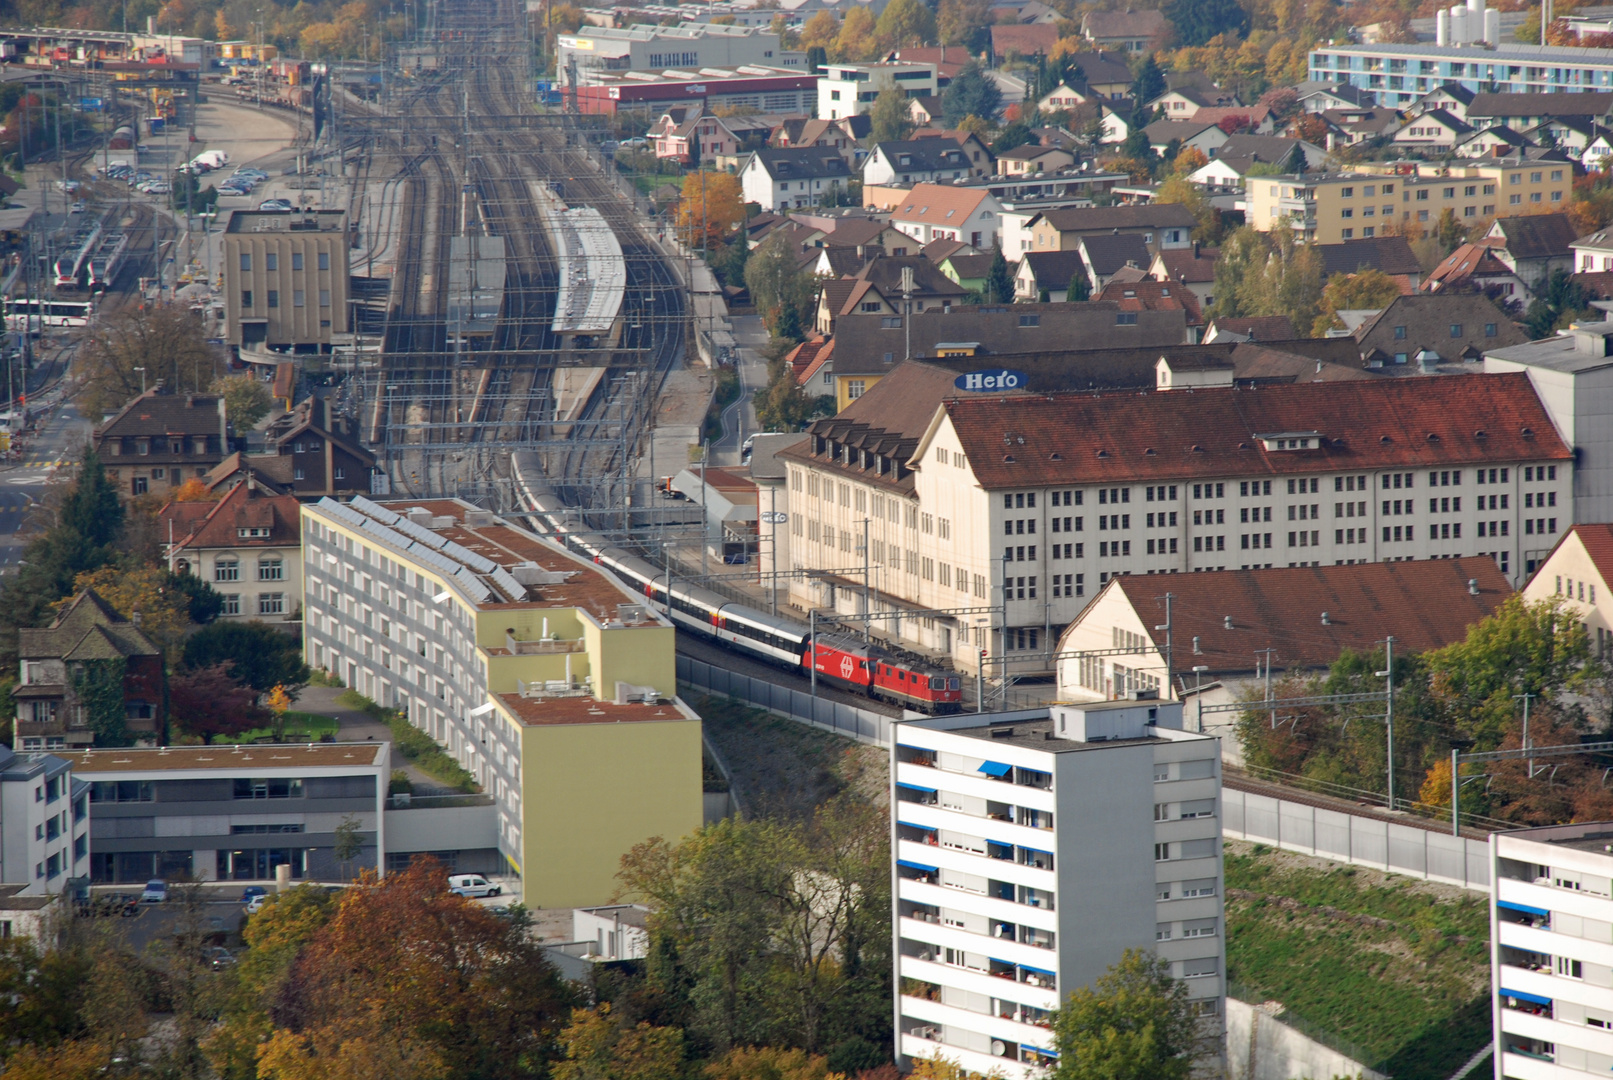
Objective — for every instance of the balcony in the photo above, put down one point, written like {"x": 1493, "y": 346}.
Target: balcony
{"x": 543, "y": 646}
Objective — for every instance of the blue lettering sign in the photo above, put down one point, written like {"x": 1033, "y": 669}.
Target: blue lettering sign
{"x": 992, "y": 381}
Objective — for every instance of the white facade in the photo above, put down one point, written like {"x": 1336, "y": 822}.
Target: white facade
{"x": 1006, "y": 895}
{"x": 262, "y": 584}
{"x": 851, "y": 89}
{"x": 604, "y": 50}
{"x": 1551, "y": 951}
{"x": 793, "y": 192}
{"x": 44, "y": 823}
{"x": 1572, "y": 572}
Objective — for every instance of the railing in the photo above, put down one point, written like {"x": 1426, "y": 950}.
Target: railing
{"x": 1432, "y": 811}
{"x": 543, "y": 646}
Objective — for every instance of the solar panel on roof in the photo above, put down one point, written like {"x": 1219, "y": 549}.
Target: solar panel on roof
{"x": 375, "y": 510}
{"x": 506, "y": 581}
{"x": 465, "y": 555}
{"x": 420, "y": 533}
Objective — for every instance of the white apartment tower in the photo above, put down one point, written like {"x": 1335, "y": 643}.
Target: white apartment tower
{"x": 1031, "y": 850}
{"x": 1551, "y": 951}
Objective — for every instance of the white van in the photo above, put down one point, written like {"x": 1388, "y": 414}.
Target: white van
{"x": 472, "y": 885}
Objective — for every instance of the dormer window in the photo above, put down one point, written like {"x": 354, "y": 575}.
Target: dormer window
{"x": 253, "y": 533}
{"x": 1292, "y": 440}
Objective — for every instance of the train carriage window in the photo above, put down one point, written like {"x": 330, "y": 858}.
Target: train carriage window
{"x": 937, "y": 683}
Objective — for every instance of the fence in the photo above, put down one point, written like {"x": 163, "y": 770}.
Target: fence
{"x": 864, "y": 725}
{"x": 1357, "y": 839}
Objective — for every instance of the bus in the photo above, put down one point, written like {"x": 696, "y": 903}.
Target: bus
{"x": 28, "y": 314}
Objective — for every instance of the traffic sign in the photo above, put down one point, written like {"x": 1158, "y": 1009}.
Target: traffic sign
{"x": 775, "y": 517}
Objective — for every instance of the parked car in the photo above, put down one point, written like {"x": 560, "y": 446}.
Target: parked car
{"x": 69, "y": 186}
{"x": 255, "y": 905}
{"x": 156, "y": 891}
{"x": 217, "y": 957}
{"x": 251, "y": 892}
{"x": 77, "y": 207}
{"x": 107, "y": 905}
{"x": 472, "y": 885}
{"x": 274, "y": 204}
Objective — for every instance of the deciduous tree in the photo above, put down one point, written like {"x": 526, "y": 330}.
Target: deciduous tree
{"x": 163, "y": 607}
{"x": 600, "y": 1046}
{"x": 246, "y": 400}
{"x": 208, "y": 702}
{"x": 263, "y": 657}
{"x": 820, "y": 31}
{"x": 711, "y": 208}
{"x": 857, "y": 40}
{"x": 164, "y": 339}
{"x": 905, "y": 23}
{"x": 889, "y": 120}
{"x": 1133, "y": 1023}
{"x": 1367, "y": 289}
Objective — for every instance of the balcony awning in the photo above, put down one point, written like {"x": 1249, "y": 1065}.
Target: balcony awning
{"x": 996, "y": 768}
{"x": 917, "y": 866}
{"x": 1038, "y": 851}
{"x": 1039, "y": 971}
{"x": 915, "y": 825}
{"x": 1525, "y": 908}
{"x": 915, "y": 787}
{"x": 1521, "y": 996}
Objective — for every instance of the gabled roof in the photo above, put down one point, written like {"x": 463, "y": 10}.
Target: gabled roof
{"x": 1053, "y": 269}
{"x": 1030, "y": 152}
{"x": 1129, "y": 23}
{"x": 1454, "y": 90}
{"x": 86, "y": 628}
{"x": 939, "y": 250}
{"x": 1444, "y": 118}
{"x": 245, "y": 506}
{"x": 935, "y": 204}
{"x": 1425, "y": 605}
{"x": 1366, "y": 424}
{"x": 1025, "y": 40}
{"x": 1193, "y": 265}
{"x": 835, "y": 292}
{"x": 924, "y": 155}
{"x": 1536, "y": 236}
{"x": 969, "y": 267}
{"x": 1391, "y": 255}
{"x": 1260, "y": 328}
{"x": 854, "y": 231}
{"x": 1598, "y": 284}
{"x": 1499, "y": 134}
{"x": 1369, "y": 120}
{"x": 1101, "y": 68}
{"x": 1214, "y": 114}
{"x": 1109, "y": 252}
{"x": 885, "y": 274}
{"x": 1146, "y": 294}
{"x": 157, "y": 412}
{"x": 1163, "y": 131}
{"x": 801, "y": 163}
{"x": 1342, "y": 90}
{"x": 1124, "y": 218}
{"x": 1598, "y": 543}
{"x": 1429, "y": 317}
{"x": 1465, "y": 263}
{"x": 1520, "y": 106}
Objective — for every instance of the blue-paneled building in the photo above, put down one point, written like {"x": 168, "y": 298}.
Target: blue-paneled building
{"x": 1397, "y": 75}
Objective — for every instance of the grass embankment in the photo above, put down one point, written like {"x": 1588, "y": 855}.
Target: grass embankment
{"x": 1395, "y": 966}
{"x": 300, "y": 727}
{"x": 417, "y": 748}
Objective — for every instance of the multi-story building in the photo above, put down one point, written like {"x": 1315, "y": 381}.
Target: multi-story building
{"x": 598, "y": 50}
{"x": 1551, "y": 967}
{"x": 1163, "y": 226}
{"x": 285, "y": 278}
{"x": 781, "y": 179}
{"x": 1328, "y": 208}
{"x": 1580, "y": 570}
{"x": 234, "y": 813}
{"x": 750, "y": 88}
{"x": 1397, "y": 75}
{"x": 850, "y": 89}
{"x": 247, "y": 546}
{"x": 1028, "y": 502}
{"x": 85, "y": 643}
{"x": 1005, "y": 897}
{"x": 44, "y": 824}
{"x": 160, "y": 439}
{"x": 534, "y": 669}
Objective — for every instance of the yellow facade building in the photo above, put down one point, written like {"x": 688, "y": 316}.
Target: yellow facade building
{"x": 537, "y": 671}
{"x": 1329, "y": 208}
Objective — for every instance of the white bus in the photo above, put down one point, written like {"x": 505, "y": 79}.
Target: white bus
{"x": 25, "y": 313}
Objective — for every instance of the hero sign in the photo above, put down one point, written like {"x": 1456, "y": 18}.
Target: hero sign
{"x": 991, "y": 380}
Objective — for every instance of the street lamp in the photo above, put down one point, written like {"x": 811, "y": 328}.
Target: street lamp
{"x": 142, "y": 372}
{"x": 1198, "y": 691}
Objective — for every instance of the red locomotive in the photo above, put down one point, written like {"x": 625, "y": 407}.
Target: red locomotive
{"x": 891, "y": 675}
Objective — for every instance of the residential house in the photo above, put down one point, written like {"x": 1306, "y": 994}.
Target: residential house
{"x": 1240, "y": 153}
{"x": 1205, "y": 138}
{"x": 969, "y": 271}
{"x": 1114, "y": 121}
{"x": 86, "y": 641}
{"x": 1108, "y": 74}
{"x": 1493, "y": 142}
{"x": 1534, "y": 245}
{"x": 1579, "y": 571}
{"x": 313, "y": 452}
{"x": 1146, "y": 294}
{"x": 850, "y": 89}
{"x": 1049, "y": 272}
{"x": 246, "y": 546}
{"x": 1416, "y": 333}
{"x": 161, "y": 439}
{"x": 1061, "y": 98}
{"x": 876, "y": 289}
{"x": 1128, "y": 31}
{"x": 1031, "y": 159}
{"x": 1246, "y": 119}
{"x": 925, "y": 111}
{"x": 1390, "y": 255}
{"x": 1452, "y": 98}
{"x": 1183, "y": 101}
{"x": 1521, "y": 112}
{"x": 1192, "y": 268}
{"x": 710, "y": 139}
{"x": 1598, "y": 152}
{"x": 1162, "y": 226}
{"x": 1103, "y": 255}
{"x": 844, "y": 135}
{"x": 934, "y": 212}
{"x": 785, "y": 179}
{"x": 1473, "y": 267}
{"x": 1435, "y": 129}
{"x": 919, "y": 161}
{"x": 1593, "y": 252}
{"x": 1319, "y": 97}
{"x": 980, "y": 155}
{"x": 1026, "y": 40}
{"x": 1359, "y": 125}
{"x": 1573, "y": 135}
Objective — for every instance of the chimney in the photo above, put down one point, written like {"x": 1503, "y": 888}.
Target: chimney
{"x": 1195, "y": 249}
{"x": 1472, "y": 586}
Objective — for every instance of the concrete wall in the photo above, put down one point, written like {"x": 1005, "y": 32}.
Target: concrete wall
{"x": 445, "y": 828}
{"x": 1278, "y": 1052}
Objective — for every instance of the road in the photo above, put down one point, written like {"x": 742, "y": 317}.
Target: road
{"x": 47, "y": 458}
{"x": 739, "y": 419}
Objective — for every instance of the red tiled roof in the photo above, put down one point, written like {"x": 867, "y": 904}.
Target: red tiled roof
{"x": 1027, "y": 40}
{"x": 1425, "y": 605}
{"x": 244, "y": 507}
{"x": 1598, "y": 541}
{"x": 810, "y": 372}
{"x": 802, "y": 356}
{"x": 1369, "y": 424}
{"x": 1467, "y": 261}
{"x": 1146, "y": 294}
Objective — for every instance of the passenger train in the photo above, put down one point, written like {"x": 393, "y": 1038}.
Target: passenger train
{"x": 876, "y": 670}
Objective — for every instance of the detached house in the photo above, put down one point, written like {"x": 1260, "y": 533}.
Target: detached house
{"x": 933, "y": 212}
{"x": 1534, "y": 245}
{"x": 1162, "y": 226}
{"x": 87, "y": 643}
{"x": 919, "y": 161}
{"x": 1031, "y": 159}
{"x": 160, "y": 439}
{"x": 1129, "y": 31}
{"x": 247, "y": 546}
{"x": 792, "y": 179}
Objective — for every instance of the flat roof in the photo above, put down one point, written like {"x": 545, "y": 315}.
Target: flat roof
{"x": 286, "y": 221}
{"x": 1592, "y": 836}
{"x": 476, "y": 273}
{"x": 1033, "y": 734}
{"x": 213, "y": 758}
{"x": 542, "y": 712}
{"x": 1556, "y": 353}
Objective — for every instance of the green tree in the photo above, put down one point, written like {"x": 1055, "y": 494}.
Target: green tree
{"x": 1011, "y": 136}
{"x": 966, "y": 23}
{"x": 1133, "y": 1023}
{"x": 349, "y": 843}
{"x": 1558, "y": 300}
{"x": 889, "y": 120}
{"x": 776, "y": 280}
{"x": 905, "y": 23}
{"x": 971, "y": 93}
{"x": 999, "y": 285}
{"x": 1080, "y": 288}
{"x": 262, "y": 656}
{"x": 1449, "y": 231}
{"x": 1147, "y": 80}
{"x": 1197, "y": 21}
{"x": 1178, "y": 189}
{"x": 246, "y": 400}
{"x": 1365, "y": 290}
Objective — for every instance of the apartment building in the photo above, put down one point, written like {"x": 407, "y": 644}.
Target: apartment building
{"x": 1397, "y": 75}
{"x": 539, "y": 673}
{"x": 1030, "y": 502}
{"x": 285, "y": 278}
{"x": 234, "y": 813}
{"x": 851, "y": 89}
{"x": 1551, "y": 966}
{"x": 44, "y": 825}
{"x": 161, "y": 439}
{"x": 1329, "y": 208}
{"x": 1005, "y": 897}
{"x": 247, "y": 546}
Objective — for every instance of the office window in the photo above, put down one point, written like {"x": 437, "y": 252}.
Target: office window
{"x": 246, "y": 261}
{"x": 246, "y": 298}
{"x": 296, "y": 260}
{"x": 296, "y": 298}
{"x": 271, "y": 261}
{"x": 324, "y": 260}
{"x": 324, "y": 298}
{"x": 274, "y": 298}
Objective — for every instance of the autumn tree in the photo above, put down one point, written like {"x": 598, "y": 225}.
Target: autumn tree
{"x": 712, "y": 207}
{"x": 600, "y": 1046}
{"x": 1365, "y": 290}
{"x": 1182, "y": 191}
{"x": 246, "y": 400}
{"x": 966, "y": 23}
{"x": 857, "y": 40}
{"x": 905, "y": 23}
{"x": 1133, "y": 1023}
{"x": 776, "y": 280}
{"x": 820, "y": 31}
{"x": 890, "y": 119}
{"x": 147, "y": 593}
{"x": 409, "y": 979}
{"x": 154, "y": 343}
{"x": 209, "y": 702}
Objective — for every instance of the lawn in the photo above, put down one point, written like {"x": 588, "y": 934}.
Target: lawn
{"x": 300, "y": 727}
{"x": 1397, "y": 967}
